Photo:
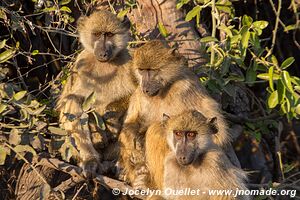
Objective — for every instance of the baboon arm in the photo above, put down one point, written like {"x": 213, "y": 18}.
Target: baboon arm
{"x": 72, "y": 119}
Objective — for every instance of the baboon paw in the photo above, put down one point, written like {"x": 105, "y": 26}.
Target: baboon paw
{"x": 91, "y": 168}
{"x": 136, "y": 158}
{"x": 140, "y": 182}
{"x": 141, "y": 170}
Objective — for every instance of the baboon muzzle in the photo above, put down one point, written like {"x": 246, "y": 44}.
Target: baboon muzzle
{"x": 102, "y": 52}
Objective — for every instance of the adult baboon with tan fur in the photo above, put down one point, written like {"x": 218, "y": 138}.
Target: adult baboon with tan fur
{"x": 194, "y": 162}
{"x": 166, "y": 85}
{"x": 102, "y": 68}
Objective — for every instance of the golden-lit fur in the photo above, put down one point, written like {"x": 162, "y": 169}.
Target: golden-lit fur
{"x": 210, "y": 170}
{"x": 111, "y": 81}
{"x": 181, "y": 91}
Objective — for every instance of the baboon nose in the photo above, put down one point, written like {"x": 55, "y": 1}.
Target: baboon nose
{"x": 182, "y": 158}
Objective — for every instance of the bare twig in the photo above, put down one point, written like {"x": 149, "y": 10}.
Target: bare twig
{"x": 75, "y": 172}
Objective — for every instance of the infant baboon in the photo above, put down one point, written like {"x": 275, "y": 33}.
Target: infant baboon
{"x": 166, "y": 85}
{"x": 195, "y": 162}
{"x": 103, "y": 67}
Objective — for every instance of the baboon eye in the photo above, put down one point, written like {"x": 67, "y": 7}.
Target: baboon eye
{"x": 97, "y": 34}
{"x": 191, "y": 135}
{"x": 178, "y": 134}
{"x": 109, "y": 34}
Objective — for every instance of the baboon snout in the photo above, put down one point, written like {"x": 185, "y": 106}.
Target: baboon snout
{"x": 151, "y": 89}
{"x": 102, "y": 52}
{"x": 184, "y": 156}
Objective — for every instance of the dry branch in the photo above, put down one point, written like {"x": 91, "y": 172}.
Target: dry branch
{"x": 77, "y": 177}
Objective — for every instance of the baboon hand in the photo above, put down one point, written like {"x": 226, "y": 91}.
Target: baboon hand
{"x": 140, "y": 181}
{"x": 91, "y": 167}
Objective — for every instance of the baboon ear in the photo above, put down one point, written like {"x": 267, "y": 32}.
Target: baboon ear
{"x": 126, "y": 22}
{"x": 212, "y": 124}
{"x": 165, "y": 117}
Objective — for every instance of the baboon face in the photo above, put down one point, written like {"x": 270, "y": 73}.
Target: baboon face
{"x": 190, "y": 135}
{"x": 156, "y": 67}
{"x": 103, "y": 34}
{"x": 151, "y": 82}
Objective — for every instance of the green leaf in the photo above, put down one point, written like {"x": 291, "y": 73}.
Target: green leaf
{"x": 89, "y": 101}
{"x": 225, "y": 29}
{"x": 35, "y": 52}
{"x": 191, "y": 14}
{"x": 123, "y": 13}
{"x": 6, "y": 55}
{"x": 208, "y": 39}
{"x": 19, "y": 95}
{"x": 24, "y": 148}
{"x": 287, "y": 62}
{"x": 64, "y": 2}
{"x": 162, "y": 29}
{"x": 285, "y": 76}
{"x": 273, "y": 99}
{"x": 290, "y": 27}
{"x": 2, "y": 155}
{"x": 66, "y": 9}
{"x": 297, "y": 109}
{"x": 271, "y": 84}
{"x": 247, "y": 20}
{"x": 2, "y": 107}
{"x": 50, "y": 9}
{"x": 2, "y": 43}
{"x": 245, "y": 36}
{"x": 274, "y": 60}
{"x": 99, "y": 121}
{"x": 281, "y": 91}
{"x": 57, "y": 131}
{"x": 265, "y": 76}
{"x": 181, "y": 3}
{"x": 260, "y": 24}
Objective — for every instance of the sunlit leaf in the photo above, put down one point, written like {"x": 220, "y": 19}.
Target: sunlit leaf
{"x": 273, "y": 99}
{"x": 2, "y": 107}
{"x": 122, "y": 13}
{"x": 162, "y": 29}
{"x": 225, "y": 29}
{"x": 247, "y": 20}
{"x": 14, "y": 137}
{"x": 285, "y": 76}
{"x": 260, "y": 24}
{"x": 35, "y": 52}
{"x": 66, "y": 9}
{"x": 287, "y": 62}
{"x": 191, "y": 14}
{"x": 57, "y": 131}
{"x": 64, "y": 2}
{"x": 208, "y": 39}
{"x": 24, "y": 148}
{"x": 245, "y": 36}
{"x": 265, "y": 76}
{"x": 6, "y": 55}
{"x": 19, "y": 95}
{"x": 2, "y": 155}
{"x": 181, "y": 3}
{"x": 89, "y": 101}
{"x": 281, "y": 91}
{"x": 297, "y": 109}
{"x": 2, "y": 43}
{"x": 271, "y": 84}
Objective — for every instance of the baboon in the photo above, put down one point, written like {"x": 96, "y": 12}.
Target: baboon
{"x": 166, "y": 85}
{"x": 102, "y": 69}
{"x": 194, "y": 161}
